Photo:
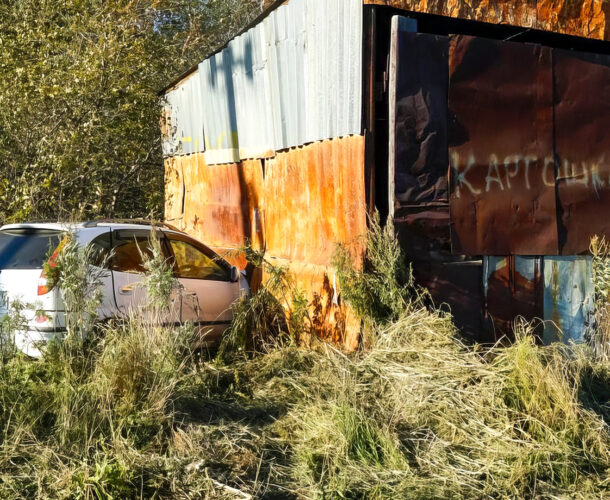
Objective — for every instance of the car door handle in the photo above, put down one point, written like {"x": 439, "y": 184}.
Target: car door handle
{"x": 126, "y": 290}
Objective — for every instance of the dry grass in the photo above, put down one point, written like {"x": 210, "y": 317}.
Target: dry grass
{"x": 422, "y": 416}
{"x": 600, "y": 250}
{"x": 418, "y": 415}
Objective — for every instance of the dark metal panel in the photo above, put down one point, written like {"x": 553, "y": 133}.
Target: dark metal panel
{"x": 369, "y": 100}
{"x": 418, "y": 118}
{"x": 500, "y": 147}
{"x": 456, "y": 285}
{"x": 454, "y": 282}
{"x": 582, "y": 125}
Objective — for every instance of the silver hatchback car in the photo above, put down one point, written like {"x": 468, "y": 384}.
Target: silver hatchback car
{"x": 209, "y": 284}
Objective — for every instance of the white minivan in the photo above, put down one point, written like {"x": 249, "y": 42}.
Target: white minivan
{"x": 209, "y": 285}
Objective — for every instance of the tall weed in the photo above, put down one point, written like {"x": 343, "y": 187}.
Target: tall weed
{"x": 78, "y": 273}
{"x": 276, "y": 313}
{"x": 159, "y": 281}
{"x": 382, "y": 288}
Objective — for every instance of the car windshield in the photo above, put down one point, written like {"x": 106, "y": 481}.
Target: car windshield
{"x": 27, "y": 248}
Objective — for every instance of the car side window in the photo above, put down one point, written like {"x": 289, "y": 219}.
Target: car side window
{"x": 192, "y": 263}
{"x": 128, "y": 248}
{"x": 102, "y": 246}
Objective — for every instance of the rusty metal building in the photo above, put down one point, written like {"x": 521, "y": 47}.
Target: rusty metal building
{"x": 480, "y": 127}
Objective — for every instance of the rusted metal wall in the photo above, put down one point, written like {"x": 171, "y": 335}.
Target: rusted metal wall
{"x": 483, "y": 158}
{"x": 219, "y": 204}
{"x": 586, "y": 18}
{"x": 582, "y": 123}
{"x": 518, "y": 176}
{"x": 296, "y": 206}
{"x": 501, "y": 148}
{"x": 282, "y": 160}
{"x": 528, "y": 149}
{"x": 314, "y": 199}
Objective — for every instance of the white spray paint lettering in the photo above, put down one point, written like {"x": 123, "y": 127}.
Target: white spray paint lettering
{"x": 517, "y": 171}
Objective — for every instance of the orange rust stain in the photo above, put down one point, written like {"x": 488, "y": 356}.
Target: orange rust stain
{"x": 297, "y": 206}
{"x": 586, "y": 18}
{"x": 314, "y": 199}
{"x": 173, "y": 190}
{"x": 515, "y": 12}
{"x": 331, "y": 320}
{"x": 222, "y": 203}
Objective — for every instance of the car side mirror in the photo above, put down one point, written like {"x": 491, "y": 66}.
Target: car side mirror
{"x": 234, "y": 274}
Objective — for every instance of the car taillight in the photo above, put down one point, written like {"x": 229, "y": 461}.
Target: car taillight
{"x": 43, "y": 287}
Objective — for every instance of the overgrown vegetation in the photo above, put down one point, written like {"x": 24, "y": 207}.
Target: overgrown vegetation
{"x": 382, "y": 288}
{"x": 277, "y": 314}
{"x": 418, "y": 414}
{"x": 159, "y": 281}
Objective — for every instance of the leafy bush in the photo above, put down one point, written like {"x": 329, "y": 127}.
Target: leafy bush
{"x": 161, "y": 286}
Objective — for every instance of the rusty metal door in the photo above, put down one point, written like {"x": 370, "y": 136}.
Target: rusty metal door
{"x": 501, "y": 148}
{"x": 582, "y": 125}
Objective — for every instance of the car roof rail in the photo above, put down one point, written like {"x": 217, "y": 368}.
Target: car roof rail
{"x": 144, "y": 222}
{"x": 41, "y": 221}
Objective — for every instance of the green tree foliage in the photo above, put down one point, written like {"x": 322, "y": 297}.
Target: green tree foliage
{"x": 79, "y": 105}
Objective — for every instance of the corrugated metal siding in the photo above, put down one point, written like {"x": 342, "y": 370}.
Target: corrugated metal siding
{"x": 293, "y": 79}
{"x": 184, "y": 115}
{"x": 254, "y": 116}
{"x": 314, "y": 199}
{"x": 296, "y": 206}
{"x": 219, "y": 112}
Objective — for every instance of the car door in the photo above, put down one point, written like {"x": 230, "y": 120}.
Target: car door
{"x": 127, "y": 264}
{"x": 208, "y": 291}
